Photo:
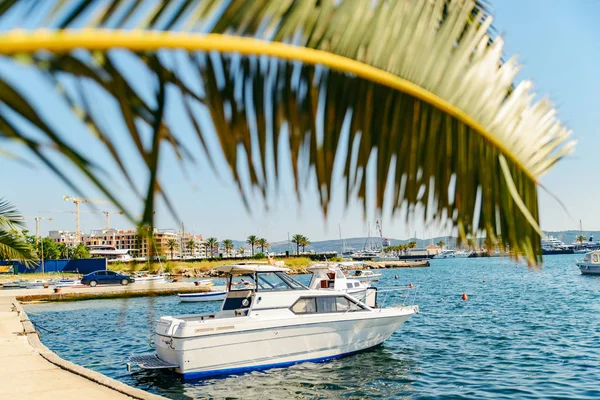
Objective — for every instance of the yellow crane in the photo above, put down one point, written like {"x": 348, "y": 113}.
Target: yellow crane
{"x": 108, "y": 213}
{"x": 37, "y": 225}
{"x": 78, "y": 201}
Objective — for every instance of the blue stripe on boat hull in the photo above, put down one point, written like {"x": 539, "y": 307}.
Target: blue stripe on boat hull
{"x": 241, "y": 370}
{"x": 201, "y": 295}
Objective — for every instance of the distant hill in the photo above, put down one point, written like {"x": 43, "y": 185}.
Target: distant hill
{"x": 359, "y": 243}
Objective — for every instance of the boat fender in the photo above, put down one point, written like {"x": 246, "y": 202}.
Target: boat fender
{"x": 395, "y": 276}
{"x": 465, "y": 297}
{"x": 411, "y": 285}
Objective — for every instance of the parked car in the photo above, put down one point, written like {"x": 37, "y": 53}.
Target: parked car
{"x": 105, "y": 277}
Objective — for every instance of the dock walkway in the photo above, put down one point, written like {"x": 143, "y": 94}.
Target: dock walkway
{"x": 31, "y": 371}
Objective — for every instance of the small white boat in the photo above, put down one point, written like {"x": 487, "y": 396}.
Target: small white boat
{"x": 366, "y": 275}
{"x": 590, "y": 264}
{"x": 65, "y": 283}
{"x": 275, "y": 321}
{"x": 448, "y": 253}
{"x": 202, "y": 296}
{"x": 149, "y": 278}
{"x": 330, "y": 277}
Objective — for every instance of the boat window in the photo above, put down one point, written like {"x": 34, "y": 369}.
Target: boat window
{"x": 326, "y": 304}
{"x": 305, "y": 306}
{"x": 345, "y": 304}
{"x": 294, "y": 284}
{"x": 271, "y": 281}
{"x": 356, "y": 284}
{"x": 349, "y": 285}
{"x": 241, "y": 282}
{"x": 595, "y": 258}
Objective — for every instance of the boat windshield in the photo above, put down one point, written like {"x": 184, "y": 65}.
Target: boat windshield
{"x": 241, "y": 282}
{"x": 277, "y": 281}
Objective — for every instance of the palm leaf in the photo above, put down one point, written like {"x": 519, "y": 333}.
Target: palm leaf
{"x": 417, "y": 89}
{"x": 13, "y": 245}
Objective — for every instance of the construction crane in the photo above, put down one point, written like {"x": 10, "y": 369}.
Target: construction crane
{"x": 385, "y": 242}
{"x": 77, "y": 202}
{"x": 37, "y": 225}
{"x": 108, "y": 213}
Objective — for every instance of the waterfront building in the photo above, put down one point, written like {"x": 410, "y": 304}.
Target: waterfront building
{"x": 128, "y": 239}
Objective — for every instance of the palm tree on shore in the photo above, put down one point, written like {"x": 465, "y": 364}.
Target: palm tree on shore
{"x": 298, "y": 240}
{"x": 580, "y": 239}
{"x": 441, "y": 244}
{"x": 13, "y": 243}
{"x": 228, "y": 246}
{"x": 399, "y": 87}
{"x": 304, "y": 242}
{"x": 191, "y": 246}
{"x": 411, "y": 245}
{"x": 252, "y": 241}
{"x": 212, "y": 243}
{"x": 263, "y": 243}
{"x": 171, "y": 245}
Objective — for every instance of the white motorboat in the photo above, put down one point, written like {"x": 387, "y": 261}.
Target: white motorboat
{"x": 590, "y": 265}
{"x": 273, "y": 322}
{"x": 448, "y": 253}
{"x": 202, "y": 296}
{"x": 145, "y": 278}
{"x": 65, "y": 283}
{"x": 366, "y": 275}
{"x": 331, "y": 277}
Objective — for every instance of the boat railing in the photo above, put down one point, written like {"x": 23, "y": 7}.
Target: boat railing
{"x": 408, "y": 294}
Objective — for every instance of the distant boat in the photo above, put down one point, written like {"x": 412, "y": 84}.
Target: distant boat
{"x": 590, "y": 264}
{"x": 201, "y": 297}
{"x": 365, "y": 275}
{"x": 449, "y": 253}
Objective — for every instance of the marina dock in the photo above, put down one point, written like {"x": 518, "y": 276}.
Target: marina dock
{"x": 32, "y": 371}
{"x": 104, "y": 292}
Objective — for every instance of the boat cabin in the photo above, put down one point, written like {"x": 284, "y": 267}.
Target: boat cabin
{"x": 592, "y": 257}
{"x": 330, "y": 277}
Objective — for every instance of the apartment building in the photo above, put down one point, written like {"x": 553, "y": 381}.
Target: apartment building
{"x": 188, "y": 245}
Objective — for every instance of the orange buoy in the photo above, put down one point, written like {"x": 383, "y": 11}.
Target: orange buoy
{"x": 411, "y": 286}
{"x": 465, "y": 297}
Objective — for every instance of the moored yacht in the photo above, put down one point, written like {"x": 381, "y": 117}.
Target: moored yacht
{"x": 590, "y": 265}
{"x": 449, "y": 253}
{"x": 330, "y": 277}
{"x": 273, "y": 322}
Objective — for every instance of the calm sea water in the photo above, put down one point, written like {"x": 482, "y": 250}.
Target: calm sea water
{"x": 521, "y": 334}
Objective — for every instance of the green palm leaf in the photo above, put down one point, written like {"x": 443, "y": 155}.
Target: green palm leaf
{"x": 13, "y": 245}
{"x": 415, "y": 89}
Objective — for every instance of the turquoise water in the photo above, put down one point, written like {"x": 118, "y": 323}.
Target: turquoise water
{"x": 521, "y": 334}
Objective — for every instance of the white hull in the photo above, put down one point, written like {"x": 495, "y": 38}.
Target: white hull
{"x": 256, "y": 344}
{"x": 442, "y": 256}
{"x": 155, "y": 279}
{"x": 371, "y": 278}
{"x": 200, "y": 297}
{"x": 589, "y": 269}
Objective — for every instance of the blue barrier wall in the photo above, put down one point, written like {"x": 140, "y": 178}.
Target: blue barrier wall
{"x": 81, "y": 266}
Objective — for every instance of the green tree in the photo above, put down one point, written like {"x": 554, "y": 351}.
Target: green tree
{"x": 580, "y": 239}
{"x": 172, "y": 245}
{"x": 451, "y": 49}
{"x": 304, "y": 242}
{"x": 252, "y": 241}
{"x": 441, "y": 243}
{"x": 263, "y": 244}
{"x": 80, "y": 251}
{"x": 191, "y": 246}
{"x": 298, "y": 240}
{"x": 48, "y": 249}
{"x": 13, "y": 242}
{"x": 411, "y": 245}
{"x": 228, "y": 246}
{"x": 213, "y": 244}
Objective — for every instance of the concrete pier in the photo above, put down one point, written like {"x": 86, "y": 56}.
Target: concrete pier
{"x": 32, "y": 371}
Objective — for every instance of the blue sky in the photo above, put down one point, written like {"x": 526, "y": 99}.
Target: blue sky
{"x": 557, "y": 44}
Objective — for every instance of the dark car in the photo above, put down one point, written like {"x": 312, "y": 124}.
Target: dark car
{"x": 106, "y": 278}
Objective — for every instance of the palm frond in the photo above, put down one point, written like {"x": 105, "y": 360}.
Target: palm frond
{"x": 417, "y": 89}
{"x": 10, "y": 218}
